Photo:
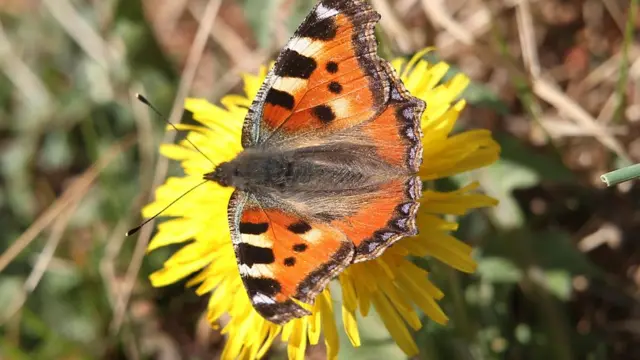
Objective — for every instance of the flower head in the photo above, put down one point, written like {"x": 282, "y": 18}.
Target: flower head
{"x": 392, "y": 284}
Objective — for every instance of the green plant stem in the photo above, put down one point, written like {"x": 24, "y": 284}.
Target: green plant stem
{"x": 621, "y": 175}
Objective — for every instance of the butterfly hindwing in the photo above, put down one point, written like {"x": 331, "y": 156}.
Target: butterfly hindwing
{"x": 282, "y": 257}
{"x": 387, "y": 215}
{"x": 327, "y": 78}
{"x": 388, "y": 212}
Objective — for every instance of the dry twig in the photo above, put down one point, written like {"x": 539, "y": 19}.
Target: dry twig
{"x": 527, "y": 37}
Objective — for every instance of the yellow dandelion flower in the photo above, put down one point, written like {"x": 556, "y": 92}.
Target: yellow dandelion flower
{"x": 392, "y": 284}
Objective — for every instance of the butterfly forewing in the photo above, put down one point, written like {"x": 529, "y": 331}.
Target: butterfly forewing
{"x": 327, "y": 78}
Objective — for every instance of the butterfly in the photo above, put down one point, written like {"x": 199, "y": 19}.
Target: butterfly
{"x": 328, "y": 172}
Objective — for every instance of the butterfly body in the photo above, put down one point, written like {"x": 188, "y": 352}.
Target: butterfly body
{"x": 329, "y": 170}
{"x": 327, "y": 178}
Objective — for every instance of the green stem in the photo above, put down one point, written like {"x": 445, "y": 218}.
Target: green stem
{"x": 621, "y": 175}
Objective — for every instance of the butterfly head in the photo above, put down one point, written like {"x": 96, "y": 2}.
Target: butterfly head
{"x": 242, "y": 173}
{"x": 223, "y": 174}
{"x": 254, "y": 169}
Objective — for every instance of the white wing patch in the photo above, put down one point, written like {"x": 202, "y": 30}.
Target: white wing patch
{"x": 341, "y": 107}
{"x": 260, "y": 298}
{"x": 323, "y": 12}
{"x": 289, "y": 84}
{"x": 312, "y": 236}
{"x": 256, "y": 270}
{"x": 256, "y": 240}
{"x": 305, "y": 46}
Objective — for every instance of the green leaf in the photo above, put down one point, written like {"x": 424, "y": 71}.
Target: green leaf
{"x": 520, "y": 167}
{"x": 554, "y": 250}
{"x": 502, "y": 178}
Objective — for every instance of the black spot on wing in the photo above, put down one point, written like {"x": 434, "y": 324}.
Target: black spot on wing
{"x": 299, "y": 247}
{"x": 266, "y": 286}
{"x": 253, "y": 228}
{"x": 299, "y": 227}
{"x": 323, "y": 113}
{"x": 290, "y": 261}
{"x": 335, "y": 87}
{"x": 319, "y": 29}
{"x": 280, "y": 98}
{"x": 332, "y": 67}
{"x": 293, "y": 64}
{"x": 249, "y": 254}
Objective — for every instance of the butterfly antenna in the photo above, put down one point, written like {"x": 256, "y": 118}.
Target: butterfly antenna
{"x": 137, "y": 228}
{"x": 144, "y": 100}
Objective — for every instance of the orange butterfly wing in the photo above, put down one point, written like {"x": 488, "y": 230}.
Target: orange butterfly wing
{"x": 328, "y": 77}
{"x": 389, "y": 212}
{"x": 283, "y": 257}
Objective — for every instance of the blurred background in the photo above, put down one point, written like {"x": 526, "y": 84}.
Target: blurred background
{"x": 557, "y": 81}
